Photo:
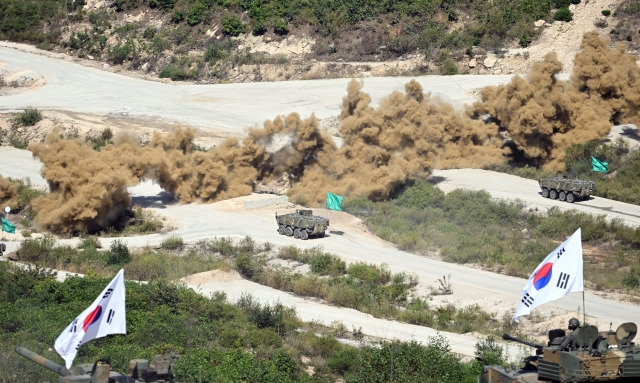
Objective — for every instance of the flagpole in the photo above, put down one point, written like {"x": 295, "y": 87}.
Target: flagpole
{"x": 584, "y": 311}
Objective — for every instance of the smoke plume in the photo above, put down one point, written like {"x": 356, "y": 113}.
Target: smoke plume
{"x": 407, "y": 135}
{"x": 543, "y": 116}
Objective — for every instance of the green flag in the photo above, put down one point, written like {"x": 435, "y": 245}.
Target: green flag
{"x": 334, "y": 201}
{"x": 599, "y": 166}
{"x": 8, "y": 226}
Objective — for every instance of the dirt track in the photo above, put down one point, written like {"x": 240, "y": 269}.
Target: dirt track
{"x": 228, "y": 110}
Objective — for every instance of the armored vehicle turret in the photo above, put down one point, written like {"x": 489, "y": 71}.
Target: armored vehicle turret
{"x": 600, "y": 357}
{"x": 565, "y": 188}
{"x": 159, "y": 370}
{"x": 301, "y": 224}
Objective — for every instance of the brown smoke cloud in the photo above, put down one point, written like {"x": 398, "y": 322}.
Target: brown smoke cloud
{"x": 407, "y": 135}
{"x": 8, "y": 193}
{"x": 543, "y": 116}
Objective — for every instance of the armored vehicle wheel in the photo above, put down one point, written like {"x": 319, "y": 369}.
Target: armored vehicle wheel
{"x": 562, "y": 196}
{"x": 296, "y": 233}
{"x": 304, "y": 235}
{"x": 545, "y": 193}
{"x": 281, "y": 230}
{"x": 553, "y": 194}
{"x": 288, "y": 231}
{"x": 571, "y": 198}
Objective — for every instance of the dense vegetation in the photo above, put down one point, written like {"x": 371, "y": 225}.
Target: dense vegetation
{"x": 356, "y": 30}
{"x": 218, "y": 341}
{"x": 470, "y": 227}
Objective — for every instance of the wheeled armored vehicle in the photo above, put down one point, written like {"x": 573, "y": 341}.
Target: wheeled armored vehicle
{"x": 301, "y": 224}
{"x": 566, "y": 189}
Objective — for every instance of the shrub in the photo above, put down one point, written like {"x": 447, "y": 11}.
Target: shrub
{"x": 631, "y": 280}
{"x": 118, "y": 253}
{"x": 448, "y": 67}
{"x": 280, "y": 27}
{"x": 327, "y": 264}
{"x": 149, "y": 33}
{"x": 34, "y": 250}
{"x": 247, "y": 266}
{"x": 172, "y": 242}
{"x": 196, "y": 13}
{"x": 232, "y": 25}
{"x": 121, "y": 52}
{"x": 28, "y": 117}
{"x": 258, "y": 28}
{"x": 563, "y": 14}
{"x": 175, "y": 73}
{"x": 606, "y": 12}
{"x": 18, "y": 142}
{"x": 215, "y": 53}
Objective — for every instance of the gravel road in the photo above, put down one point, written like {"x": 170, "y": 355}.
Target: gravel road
{"x": 234, "y": 107}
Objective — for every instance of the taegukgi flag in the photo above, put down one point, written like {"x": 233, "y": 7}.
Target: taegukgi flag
{"x": 558, "y": 275}
{"x": 105, "y": 316}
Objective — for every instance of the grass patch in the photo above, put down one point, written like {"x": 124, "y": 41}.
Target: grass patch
{"x": 28, "y": 117}
{"x": 172, "y": 242}
{"x": 471, "y": 227}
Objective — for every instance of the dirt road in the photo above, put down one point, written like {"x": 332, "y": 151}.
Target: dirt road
{"x": 228, "y": 110}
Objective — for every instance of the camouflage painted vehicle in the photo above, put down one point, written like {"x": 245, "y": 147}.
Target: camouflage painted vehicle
{"x": 301, "y": 224}
{"x": 565, "y": 188}
{"x": 601, "y": 357}
{"x": 159, "y": 370}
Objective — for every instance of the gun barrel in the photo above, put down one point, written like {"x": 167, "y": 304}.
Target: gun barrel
{"x": 509, "y": 337}
{"x": 41, "y": 360}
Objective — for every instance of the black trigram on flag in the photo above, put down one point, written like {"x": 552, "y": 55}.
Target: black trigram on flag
{"x": 73, "y": 327}
{"x": 563, "y": 281}
{"x": 527, "y": 300}
{"x": 110, "y": 316}
{"x": 107, "y": 293}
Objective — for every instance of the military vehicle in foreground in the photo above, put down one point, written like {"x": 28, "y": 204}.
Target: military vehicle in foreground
{"x": 566, "y": 189}
{"x": 301, "y": 224}
{"x": 159, "y": 370}
{"x": 600, "y": 357}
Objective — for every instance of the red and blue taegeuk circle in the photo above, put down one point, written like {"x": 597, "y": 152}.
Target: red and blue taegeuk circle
{"x": 91, "y": 318}
{"x": 543, "y": 276}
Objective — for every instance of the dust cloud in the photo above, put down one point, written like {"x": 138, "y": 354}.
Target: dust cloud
{"x": 407, "y": 135}
{"x": 543, "y": 116}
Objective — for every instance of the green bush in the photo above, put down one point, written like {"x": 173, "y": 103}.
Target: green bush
{"x": 370, "y": 273}
{"x": 247, "y": 265}
{"x": 232, "y": 25}
{"x": 29, "y": 117}
{"x": 172, "y": 242}
{"x": 606, "y": 12}
{"x": 563, "y": 14}
{"x": 327, "y": 264}
{"x": 280, "y": 27}
{"x": 18, "y": 142}
{"x": 176, "y": 73}
{"x": 214, "y": 53}
{"x": 118, "y": 253}
{"x": 121, "y": 52}
{"x": 196, "y": 13}
{"x": 448, "y": 67}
